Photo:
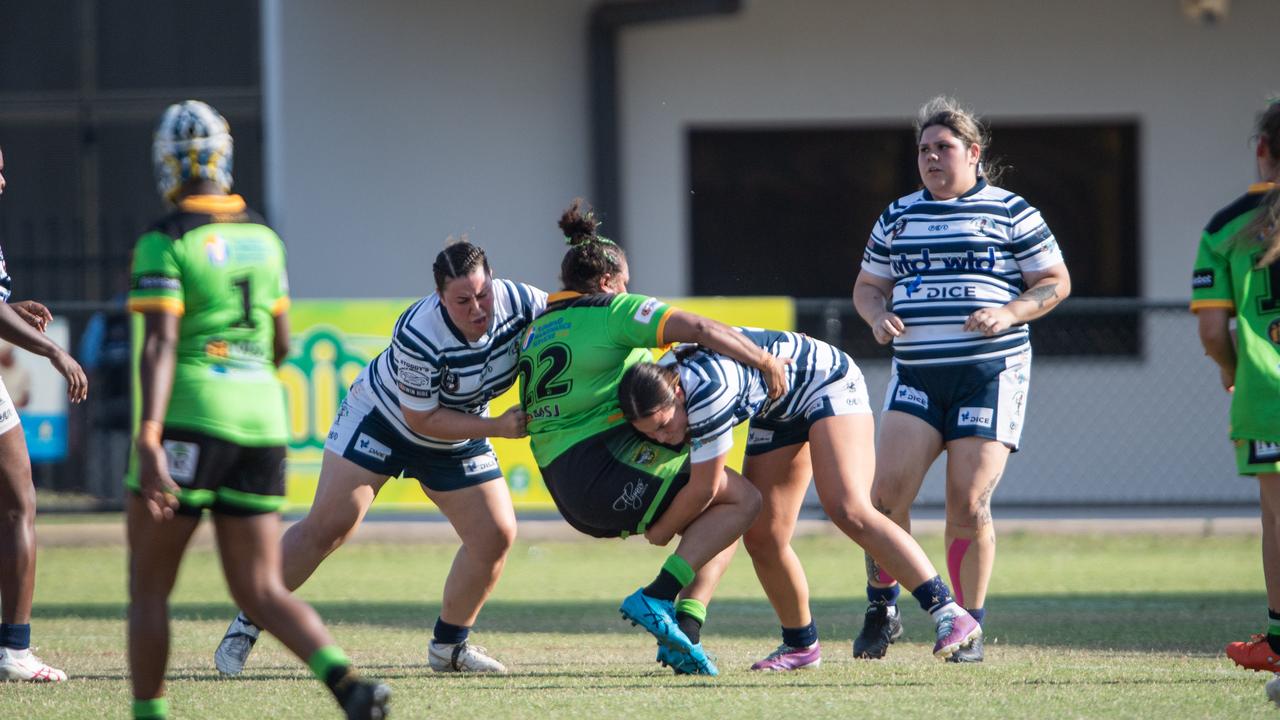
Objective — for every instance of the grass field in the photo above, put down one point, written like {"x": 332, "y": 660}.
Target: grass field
{"x": 1078, "y": 626}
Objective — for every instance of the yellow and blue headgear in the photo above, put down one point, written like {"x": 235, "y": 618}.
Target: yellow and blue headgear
{"x": 191, "y": 141}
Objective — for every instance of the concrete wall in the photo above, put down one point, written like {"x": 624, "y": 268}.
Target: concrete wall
{"x": 392, "y": 124}
{"x": 1193, "y": 89}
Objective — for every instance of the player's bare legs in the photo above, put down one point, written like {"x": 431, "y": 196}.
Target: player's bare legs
{"x": 251, "y": 562}
{"x": 782, "y": 477}
{"x": 344, "y": 493}
{"x": 1269, "y": 492}
{"x": 17, "y": 529}
{"x": 155, "y": 552}
{"x": 974, "y": 468}
{"x": 483, "y": 517}
{"x": 906, "y": 447}
{"x": 732, "y": 509}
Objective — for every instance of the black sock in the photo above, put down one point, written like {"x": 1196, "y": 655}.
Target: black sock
{"x": 933, "y": 594}
{"x": 339, "y": 681}
{"x": 690, "y": 626}
{"x": 1273, "y": 630}
{"x": 801, "y": 637}
{"x": 664, "y": 587}
{"x": 448, "y": 634}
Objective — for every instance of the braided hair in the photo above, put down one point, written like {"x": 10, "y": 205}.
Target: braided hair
{"x": 459, "y": 259}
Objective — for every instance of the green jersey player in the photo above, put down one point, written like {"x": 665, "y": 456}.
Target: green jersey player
{"x": 209, "y": 281}
{"x": 606, "y": 479}
{"x": 1237, "y": 272}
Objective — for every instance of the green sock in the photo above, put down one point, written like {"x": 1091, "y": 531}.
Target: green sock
{"x": 153, "y": 709}
{"x": 679, "y": 568}
{"x": 693, "y": 608}
{"x": 329, "y": 665}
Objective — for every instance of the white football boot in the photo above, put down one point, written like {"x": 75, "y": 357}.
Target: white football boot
{"x": 236, "y": 645}
{"x": 25, "y": 666}
{"x": 461, "y": 657}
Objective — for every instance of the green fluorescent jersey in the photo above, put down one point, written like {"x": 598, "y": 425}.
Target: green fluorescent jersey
{"x": 572, "y": 359}
{"x": 214, "y": 263}
{"x": 1226, "y": 277}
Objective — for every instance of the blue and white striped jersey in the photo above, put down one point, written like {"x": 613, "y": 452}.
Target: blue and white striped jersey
{"x": 948, "y": 258}
{"x": 430, "y": 364}
{"x": 721, "y": 392}
{"x": 6, "y": 282}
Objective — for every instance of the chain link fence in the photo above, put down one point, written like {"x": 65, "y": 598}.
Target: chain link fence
{"x": 1124, "y": 409}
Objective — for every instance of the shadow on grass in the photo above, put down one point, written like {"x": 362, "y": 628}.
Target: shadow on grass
{"x": 1195, "y": 623}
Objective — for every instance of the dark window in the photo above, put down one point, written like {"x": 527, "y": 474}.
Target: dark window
{"x": 76, "y": 126}
{"x": 788, "y": 212}
{"x": 168, "y": 44}
{"x": 39, "y": 45}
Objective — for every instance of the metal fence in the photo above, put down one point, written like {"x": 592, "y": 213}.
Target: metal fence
{"x": 1124, "y": 409}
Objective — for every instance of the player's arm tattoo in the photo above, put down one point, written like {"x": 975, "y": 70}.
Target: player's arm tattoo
{"x": 1041, "y": 295}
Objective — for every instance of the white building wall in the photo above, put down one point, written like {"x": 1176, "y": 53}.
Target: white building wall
{"x": 1193, "y": 89}
{"x": 393, "y": 124}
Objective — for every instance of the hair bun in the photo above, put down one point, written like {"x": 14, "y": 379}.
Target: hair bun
{"x": 579, "y": 223}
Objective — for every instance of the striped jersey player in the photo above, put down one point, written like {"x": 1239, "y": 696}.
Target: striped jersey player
{"x": 948, "y": 258}
{"x": 430, "y": 364}
{"x": 722, "y": 393}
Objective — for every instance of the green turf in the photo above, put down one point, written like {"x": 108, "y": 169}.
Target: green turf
{"x": 1113, "y": 626}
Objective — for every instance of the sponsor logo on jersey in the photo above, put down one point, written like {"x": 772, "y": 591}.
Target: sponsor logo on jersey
{"x": 413, "y": 378}
{"x": 978, "y": 226}
{"x": 1264, "y": 452}
{"x": 155, "y": 282}
{"x": 968, "y": 262}
{"x": 646, "y": 311}
{"x": 939, "y": 227}
{"x": 644, "y": 456}
{"x": 449, "y": 381}
{"x": 908, "y": 394}
{"x": 183, "y": 458}
{"x": 897, "y": 229}
{"x": 975, "y": 417}
{"x": 1202, "y": 278}
{"x": 950, "y": 292}
{"x": 215, "y": 247}
{"x": 915, "y": 284}
{"x": 480, "y": 464}
{"x": 632, "y": 497}
{"x": 374, "y": 449}
{"x": 759, "y": 436}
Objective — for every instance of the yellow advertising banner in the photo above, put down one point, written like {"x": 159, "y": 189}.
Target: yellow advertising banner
{"x": 334, "y": 339}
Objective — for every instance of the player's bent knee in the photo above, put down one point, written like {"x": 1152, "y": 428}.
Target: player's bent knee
{"x": 852, "y": 521}
{"x": 763, "y": 544}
